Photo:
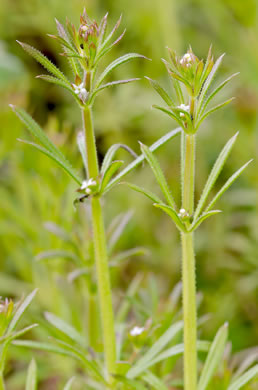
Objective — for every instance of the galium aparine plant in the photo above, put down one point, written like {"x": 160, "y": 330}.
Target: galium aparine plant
{"x": 84, "y": 48}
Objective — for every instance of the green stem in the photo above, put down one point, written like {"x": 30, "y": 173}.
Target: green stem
{"x": 2, "y": 386}
{"x": 100, "y": 248}
{"x": 188, "y": 271}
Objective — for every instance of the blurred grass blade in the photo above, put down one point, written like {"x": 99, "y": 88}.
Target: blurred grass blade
{"x": 119, "y": 61}
{"x": 244, "y": 379}
{"x": 62, "y": 163}
{"x": 156, "y": 169}
{"x": 31, "y": 381}
{"x": 154, "y": 381}
{"x": 228, "y": 183}
{"x": 214, "y": 357}
{"x": 111, "y": 153}
{"x": 65, "y": 328}
{"x": 156, "y": 348}
{"x": 108, "y": 85}
{"x": 207, "y": 113}
{"x": 161, "y": 91}
{"x": 17, "y": 334}
{"x": 68, "y": 385}
{"x": 138, "y": 251}
{"x": 57, "y": 253}
{"x": 216, "y": 90}
{"x": 145, "y": 192}
{"x": 140, "y": 158}
{"x": 110, "y": 171}
{"x": 173, "y": 214}
{"x": 117, "y": 230}
{"x": 217, "y": 167}
{"x": 20, "y": 310}
{"x": 44, "y": 61}
{"x": 202, "y": 218}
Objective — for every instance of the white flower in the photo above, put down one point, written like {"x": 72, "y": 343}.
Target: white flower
{"x": 81, "y": 91}
{"x": 183, "y": 107}
{"x": 87, "y": 185}
{"x": 136, "y": 331}
{"x": 186, "y": 59}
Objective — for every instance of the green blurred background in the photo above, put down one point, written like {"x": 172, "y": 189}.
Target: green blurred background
{"x": 34, "y": 192}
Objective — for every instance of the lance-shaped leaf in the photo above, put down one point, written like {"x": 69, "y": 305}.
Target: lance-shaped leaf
{"x": 208, "y": 82}
{"x": 156, "y": 169}
{"x": 110, "y": 35}
{"x": 214, "y": 357}
{"x": 173, "y": 215}
{"x": 20, "y": 310}
{"x": 212, "y": 110}
{"x": 105, "y": 50}
{"x": 156, "y": 348}
{"x": 61, "y": 83}
{"x": 138, "y": 251}
{"x": 145, "y": 192}
{"x": 111, "y": 153}
{"x": 109, "y": 172}
{"x": 68, "y": 385}
{"x": 216, "y": 90}
{"x": 82, "y": 148}
{"x": 214, "y": 175}
{"x": 108, "y": 85}
{"x": 202, "y": 218}
{"x": 65, "y": 328}
{"x": 244, "y": 379}
{"x": 103, "y": 28}
{"x": 62, "y": 163}
{"x": 161, "y": 91}
{"x": 44, "y": 61}
{"x": 14, "y": 335}
{"x": 170, "y": 113}
{"x": 163, "y": 140}
{"x": 31, "y": 381}
{"x": 119, "y": 61}
{"x": 228, "y": 183}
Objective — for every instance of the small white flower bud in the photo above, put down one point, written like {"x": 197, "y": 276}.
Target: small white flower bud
{"x": 136, "y": 331}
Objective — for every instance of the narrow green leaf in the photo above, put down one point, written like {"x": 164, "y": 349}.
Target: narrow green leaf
{"x": 68, "y": 385}
{"x": 110, "y": 35}
{"x": 214, "y": 357}
{"x": 119, "y": 61}
{"x": 216, "y": 108}
{"x": 216, "y": 90}
{"x": 17, "y": 334}
{"x": 107, "y": 49}
{"x": 161, "y": 91}
{"x": 141, "y": 158}
{"x": 61, "y": 83}
{"x": 154, "y": 381}
{"x": 117, "y": 227}
{"x": 65, "y": 328}
{"x": 108, "y": 85}
{"x": 222, "y": 158}
{"x": 31, "y": 381}
{"x": 111, "y": 153}
{"x": 228, "y": 183}
{"x": 130, "y": 383}
{"x": 244, "y": 379}
{"x": 57, "y": 253}
{"x": 82, "y": 149}
{"x": 147, "y": 193}
{"x": 202, "y": 218}
{"x": 207, "y": 83}
{"x": 173, "y": 214}
{"x": 170, "y": 113}
{"x": 156, "y": 348}
{"x": 20, "y": 310}
{"x": 156, "y": 169}
{"x": 63, "y": 163}
{"x": 138, "y": 251}
{"x": 44, "y": 61}
{"x": 110, "y": 171}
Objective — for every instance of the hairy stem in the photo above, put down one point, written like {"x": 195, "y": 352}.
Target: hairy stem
{"x": 100, "y": 248}
{"x": 188, "y": 271}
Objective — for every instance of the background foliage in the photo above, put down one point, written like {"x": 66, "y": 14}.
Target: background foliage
{"x": 35, "y": 195}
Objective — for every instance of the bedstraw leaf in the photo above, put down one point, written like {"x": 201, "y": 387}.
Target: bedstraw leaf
{"x": 68, "y": 385}
{"x": 156, "y": 169}
{"x": 111, "y": 153}
{"x": 31, "y": 381}
{"x": 109, "y": 172}
{"x": 161, "y": 91}
{"x": 222, "y": 158}
{"x": 202, "y": 218}
{"x": 145, "y": 192}
{"x": 44, "y": 61}
{"x": 216, "y": 108}
{"x": 21, "y": 309}
{"x": 214, "y": 357}
{"x": 173, "y": 214}
{"x": 108, "y": 85}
